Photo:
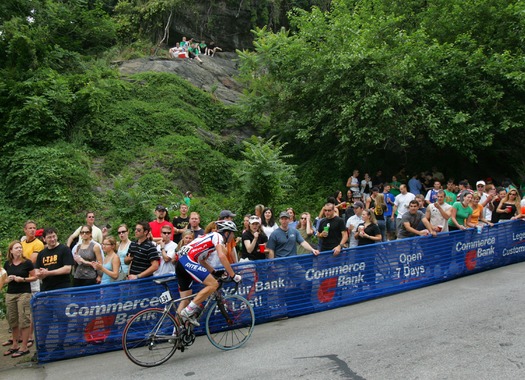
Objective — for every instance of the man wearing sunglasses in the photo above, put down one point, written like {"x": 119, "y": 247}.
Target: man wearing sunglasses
{"x": 142, "y": 256}
{"x": 166, "y": 248}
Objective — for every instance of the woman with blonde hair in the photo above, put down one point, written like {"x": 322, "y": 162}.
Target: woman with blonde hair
{"x": 509, "y": 207}
{"x": 110, "y": 268}
{"x": 379, "y": 213}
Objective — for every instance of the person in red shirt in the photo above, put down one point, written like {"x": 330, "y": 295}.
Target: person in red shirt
{"x": 156, "y": 225}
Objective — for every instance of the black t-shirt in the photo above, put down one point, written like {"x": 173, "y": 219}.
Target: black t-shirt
{"x": 371, "y": 230}
{"x": 337, "y": 226}
{"x": 256, "y": 254}
{"x": 180, "y": 223}
{"x": 52, "y": 259}
{"x": 20, "y": 270}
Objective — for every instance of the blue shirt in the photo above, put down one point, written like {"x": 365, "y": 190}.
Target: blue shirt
{"x": 389, "y": 206}
{"x": 284, "y": 243}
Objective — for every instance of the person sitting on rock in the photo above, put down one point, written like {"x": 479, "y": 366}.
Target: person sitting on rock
{"x": 212, "y": 49}
{"x": 177, "y": 51}
{"x": 193, "y": 52}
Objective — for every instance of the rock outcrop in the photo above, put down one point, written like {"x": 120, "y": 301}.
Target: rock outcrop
{"x": 215, "y": 75}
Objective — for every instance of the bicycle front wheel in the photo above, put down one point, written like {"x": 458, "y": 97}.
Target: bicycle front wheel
{"x": 229, "y": 323}
{"x": 149, "y": 338}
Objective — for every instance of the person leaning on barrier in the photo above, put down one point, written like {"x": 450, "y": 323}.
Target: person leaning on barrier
{"x": 438, "y": 213}
{"x": 332, "y": 232}
{"x": 411, "y": 220}
{"x": 283, "y": 241}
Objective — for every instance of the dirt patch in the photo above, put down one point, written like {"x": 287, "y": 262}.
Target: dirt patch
{"x": 7, "y": 362}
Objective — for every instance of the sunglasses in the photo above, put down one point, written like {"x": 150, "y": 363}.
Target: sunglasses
{"x": 84, "y": 232}
{"x": 166, "y": 233}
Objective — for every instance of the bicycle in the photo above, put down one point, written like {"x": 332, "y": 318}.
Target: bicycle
{"x": 152, "y": 336}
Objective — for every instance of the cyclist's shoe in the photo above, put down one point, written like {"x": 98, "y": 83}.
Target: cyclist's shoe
{"x": 186, "y": 316}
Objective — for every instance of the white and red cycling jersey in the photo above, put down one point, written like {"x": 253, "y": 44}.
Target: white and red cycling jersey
{"x": 203, "y": 247}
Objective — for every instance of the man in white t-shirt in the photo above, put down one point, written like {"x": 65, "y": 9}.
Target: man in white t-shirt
{"x": 401, "y": 204}
{"x": 438, "y": 213}
{"x": 97, "y": 234}
{"x": 354, "y": 221}
{"x": 166, "y": 248}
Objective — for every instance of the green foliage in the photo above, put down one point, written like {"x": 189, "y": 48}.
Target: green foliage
{"x": 143, "y": 20}
{"x": 376, "y": 76}
{"x": 263, "y": 176}
{"x": 127, "y": 115}
{"x": 63, "y": 180}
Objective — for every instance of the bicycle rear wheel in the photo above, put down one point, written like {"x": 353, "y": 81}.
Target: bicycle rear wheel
{"x": 149, "y": 337}
{"x": 229, "y": 324}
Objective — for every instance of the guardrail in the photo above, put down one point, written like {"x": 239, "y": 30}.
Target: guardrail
{"x": 89, "y": 320}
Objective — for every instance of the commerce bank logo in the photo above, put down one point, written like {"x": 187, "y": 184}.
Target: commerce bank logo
{"x": 471, "y": 259}
{"x": 326, "y": 290}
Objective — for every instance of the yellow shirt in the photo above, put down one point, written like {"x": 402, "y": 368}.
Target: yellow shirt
{"x": 28, "y": 248}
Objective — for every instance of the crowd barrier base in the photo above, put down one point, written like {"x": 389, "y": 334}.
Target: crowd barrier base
{"x": 89, "y": 320}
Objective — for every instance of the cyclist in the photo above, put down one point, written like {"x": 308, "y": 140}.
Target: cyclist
{"x": 193, "y": 265}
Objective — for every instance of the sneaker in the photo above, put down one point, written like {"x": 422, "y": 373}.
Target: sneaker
{"x": 186, "y": 316}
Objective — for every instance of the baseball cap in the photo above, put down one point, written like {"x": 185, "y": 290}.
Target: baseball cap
{"x": 39, "y": 232}
{"x": 284, "y": 214}
{"x": 359, "y": 204}
{"x": 255, "y": 219}
{"x": 226, "y": 214}
{"x": 160, "y": 208}
{"x": 480, "y": 183}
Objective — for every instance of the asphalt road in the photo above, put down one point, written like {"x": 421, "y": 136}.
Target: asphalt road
{"x": 470, "y": 328}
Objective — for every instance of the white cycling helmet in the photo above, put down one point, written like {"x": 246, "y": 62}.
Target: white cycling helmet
{"x": 225, "y": 225}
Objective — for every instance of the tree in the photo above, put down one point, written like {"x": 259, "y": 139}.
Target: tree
{"x": 416, "y": 78}
{"x": 263, "y": 175}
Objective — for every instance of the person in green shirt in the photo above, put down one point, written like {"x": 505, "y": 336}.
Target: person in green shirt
{"x": 450, "y": 195}
{"x": 460, "y": 213}
{"x": 394, "y": 186}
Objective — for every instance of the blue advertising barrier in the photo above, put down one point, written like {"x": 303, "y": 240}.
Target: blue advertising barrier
{"x": 88, "y": 320}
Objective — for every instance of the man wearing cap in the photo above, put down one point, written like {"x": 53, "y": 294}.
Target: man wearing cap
{"x": 463, "y": 186}
{"x": 332, "y": 231}
{"x": 354, "y": 221}
{"x": 283, "y": 241}
{"x": 162, "y": 220}
{"x": 349, "y": 212}
{"x": 252, "y": 239}
{"x": 480, "y": 188}
{"x": 226, "y": 215}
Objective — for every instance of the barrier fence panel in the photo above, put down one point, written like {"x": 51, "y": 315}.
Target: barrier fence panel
{"x": 88, "y": 320}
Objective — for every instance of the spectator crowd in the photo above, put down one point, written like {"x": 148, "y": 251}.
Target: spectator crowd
{"x": 371, "y": 210}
